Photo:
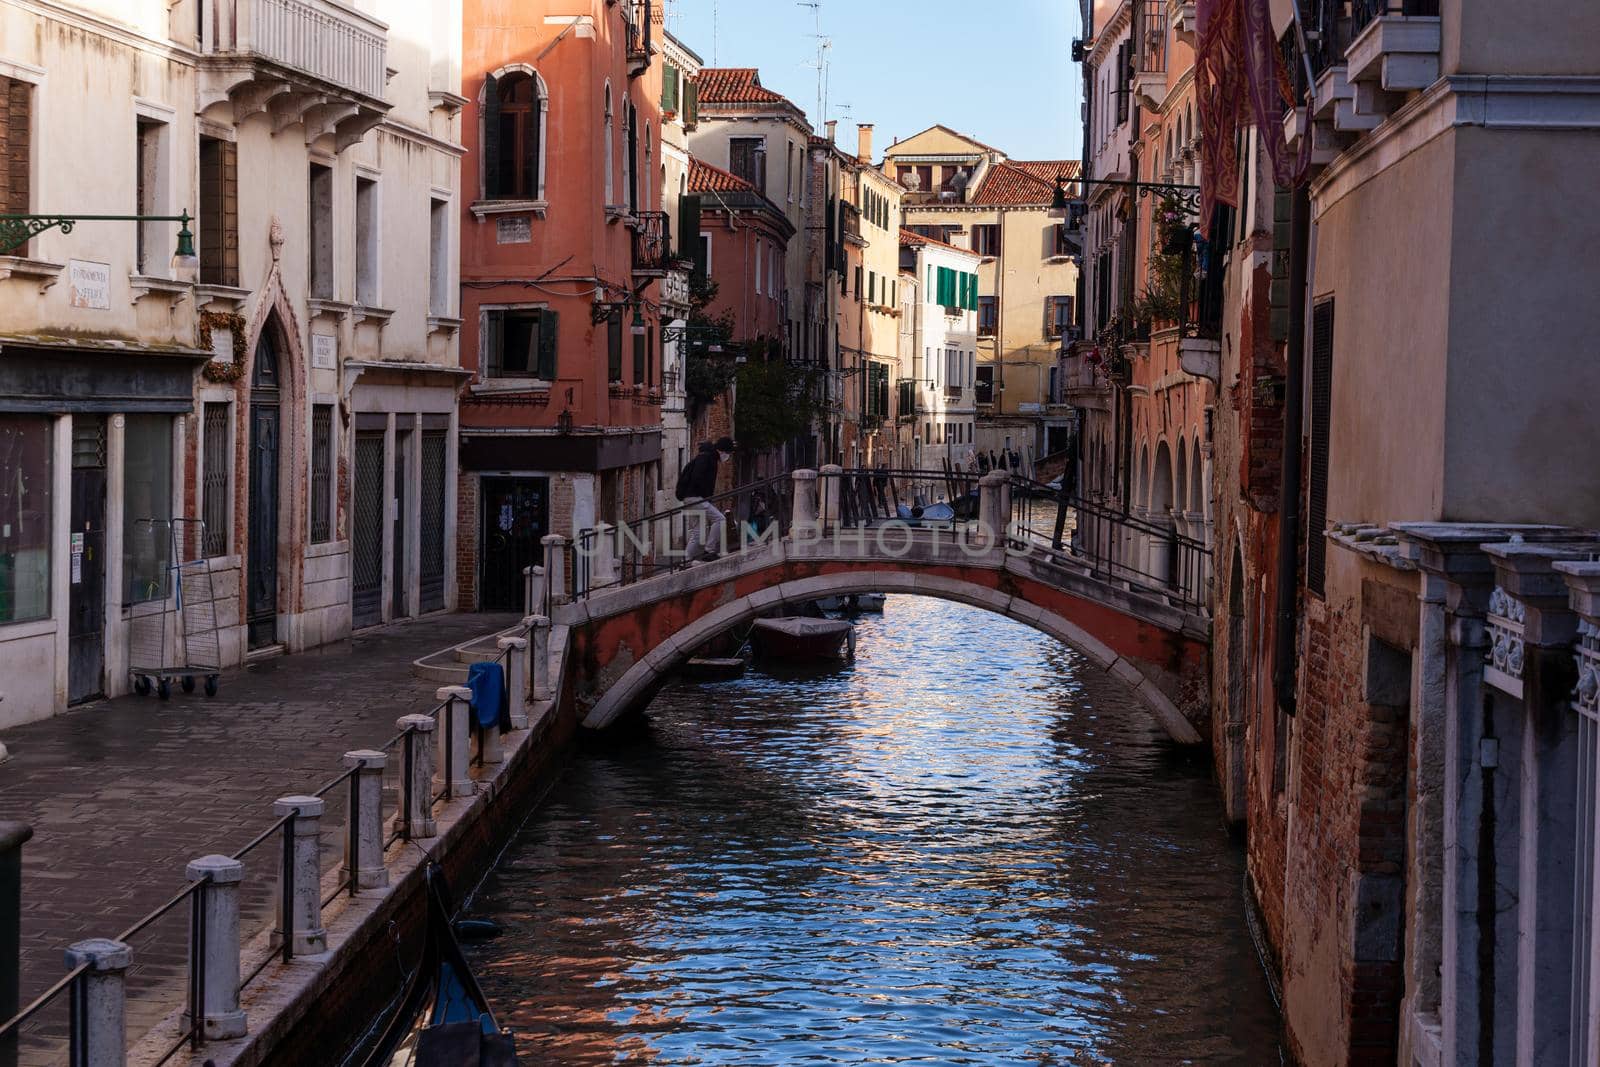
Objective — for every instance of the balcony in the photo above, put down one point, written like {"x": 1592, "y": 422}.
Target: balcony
{"x": 313, "y": 63}
{"x": 1150, "y": 75}
{"x": 1391, "y": 52}
{"x": 652, "y": 245}
{"x": 1181, "y": 15}
{"x": 851, "y": 218}
{"x": 639, "y": 29}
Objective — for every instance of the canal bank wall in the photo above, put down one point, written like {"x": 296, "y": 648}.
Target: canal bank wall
{"x": 318, "y": 1008}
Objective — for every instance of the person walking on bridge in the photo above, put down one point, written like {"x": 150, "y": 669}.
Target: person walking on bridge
{"x": 698, "y": 481}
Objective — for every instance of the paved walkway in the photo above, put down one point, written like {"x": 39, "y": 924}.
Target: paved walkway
{"x": 123, "y": 793}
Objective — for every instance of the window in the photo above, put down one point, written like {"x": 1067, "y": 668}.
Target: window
{"x": 320, "y": 230}
{"x": 773, "y": 262}
{"x": 630, "y": 157}
{"x": 986, "y": 239}
{"x": 703, "y": 256}
{"x": 367, "y": 242}
{"x": 614, "y": 345}
{"x": 146, "y": 506}
{"x": 321, "y": 473}
{"x": 1058, "y": 316}
{"x": 1321, "y": 411}
{"x": 153, "y": 245}
{"x": 439, "y": 257}
{"x": 1061, "y": 242}
{"x": 610, "y": 151}
{"x": 760, "y": 247}
{"x": 219, "y": 212}
{"x": 26, "y": 511}
{"x": 872, "y": 287}
{"x": 984, "y": 387}
{"x": 747, "y": 158}
{"x": 987, "y": 316}
{"x": 858, "y": 283}
{"x": 16, "y": 136}
{"x": 640, "y": 358}
{"x": 216, "y": 447}
{"x": 521, "y": 343}
{"x": 788, "y": 175}
{"x": 513, "y": 135}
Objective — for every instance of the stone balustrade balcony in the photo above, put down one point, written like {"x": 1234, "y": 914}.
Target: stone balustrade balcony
{"x": 315, "y": 63}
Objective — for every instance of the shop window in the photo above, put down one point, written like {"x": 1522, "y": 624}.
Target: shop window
{"x": 25, "y": 517}
{"x": 146, "y": 507}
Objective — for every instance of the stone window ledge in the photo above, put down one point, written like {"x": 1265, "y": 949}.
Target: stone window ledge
{"x": 143, "y": 285}
{"x": 482, "y": 208}
{"x": 329, "y": 309}
{"x": 40, "y": 271}
{"x": 379, "y": 316}
{"x": 443, "y": 324}
{"x": 231, "y": 296}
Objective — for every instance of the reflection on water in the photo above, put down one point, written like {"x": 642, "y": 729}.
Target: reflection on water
{"x": 969, "y": 847}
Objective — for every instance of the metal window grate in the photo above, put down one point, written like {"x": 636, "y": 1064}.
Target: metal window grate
{"x": 1321, "y": 409}
{"x": 367, "y": 536}
{"x": 214, "y": 479}
{"x": 432, "y": 564}
{"x": 88, "y": 442}
{"x": 321, "y": 473}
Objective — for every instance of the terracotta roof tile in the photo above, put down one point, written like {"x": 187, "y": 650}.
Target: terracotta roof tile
{"x": 704, "y": 178}
{"x": 1048, "y": 169}
{"x": 1007, "y": 185}
{"x": 911, "y": 237}
{"x": 735, "y": 85}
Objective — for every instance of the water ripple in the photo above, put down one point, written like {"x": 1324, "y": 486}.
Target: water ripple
{"x": 969, "y": 848}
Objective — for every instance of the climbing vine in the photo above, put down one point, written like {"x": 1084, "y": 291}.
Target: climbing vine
{"x": 216, "y": 370}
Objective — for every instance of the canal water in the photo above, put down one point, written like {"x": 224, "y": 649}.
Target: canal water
{"x": 969, "y": 846}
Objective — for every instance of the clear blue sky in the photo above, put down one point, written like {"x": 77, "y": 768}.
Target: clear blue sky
{"x": 1000, "y": 70}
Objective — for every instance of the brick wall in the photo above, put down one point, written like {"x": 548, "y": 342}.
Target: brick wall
{"x": 467, "y": 542}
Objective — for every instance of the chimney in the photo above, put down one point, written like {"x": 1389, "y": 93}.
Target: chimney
{"x": 832, "y": 126}
{"x": 864, "y": 142}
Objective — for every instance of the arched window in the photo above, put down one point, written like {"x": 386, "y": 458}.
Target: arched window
{"x": 611, "y": 158}
{"x": 630, "y": 157}
{"x": 513, "y": 136}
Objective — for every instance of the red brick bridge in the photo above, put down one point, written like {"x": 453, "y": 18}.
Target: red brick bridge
{"x": 624, "y": 639}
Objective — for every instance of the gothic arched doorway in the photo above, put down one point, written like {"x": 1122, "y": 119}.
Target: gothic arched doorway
{"x": 261, "y": 610}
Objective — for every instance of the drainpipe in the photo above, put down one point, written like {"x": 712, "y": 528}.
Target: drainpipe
{"x": 1285, "y": 665}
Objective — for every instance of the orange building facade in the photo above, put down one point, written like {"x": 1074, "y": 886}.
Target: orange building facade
{"x": 563, "y": 245}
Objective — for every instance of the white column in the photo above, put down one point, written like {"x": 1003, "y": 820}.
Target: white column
{"x": 555, "y": 567}
{"x": 603, "y": 562}
{"x": 220, "y": 1016}
{"x": 304, "y": 871}
{"x": 516, "y": 649}
{"x": 539, "y": 627}
{"x": 805, "y": 500}
{"x": 416, "y": 800}
{"x": 993, "y": 489}
{"x": 829, "y": 486}
{"x": 457, "y": 709}
{"x": 365, "y": 868}
{"x": 104, "y": 1023}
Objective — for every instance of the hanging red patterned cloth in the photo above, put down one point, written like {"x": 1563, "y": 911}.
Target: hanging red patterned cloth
{"x": 1219, "y": 89}
{"x": 1237, "y": 57}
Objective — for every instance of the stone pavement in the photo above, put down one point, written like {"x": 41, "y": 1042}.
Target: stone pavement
{"x": 122, "y": 793}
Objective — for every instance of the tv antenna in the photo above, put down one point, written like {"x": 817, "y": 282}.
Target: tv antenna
{"x": 824, "y": 46}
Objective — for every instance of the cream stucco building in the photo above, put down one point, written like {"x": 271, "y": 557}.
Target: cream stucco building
{"x": 295, "y": 391}
{"x": 962, "y": 191}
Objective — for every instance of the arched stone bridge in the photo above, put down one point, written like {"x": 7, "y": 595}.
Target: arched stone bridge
{"x": 623, "y": 641}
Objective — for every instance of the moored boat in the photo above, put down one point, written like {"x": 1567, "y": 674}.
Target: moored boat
{"x": 713, "y": 668}
{"x": 799, "y": 640}
{"x": 441, "y": 1018}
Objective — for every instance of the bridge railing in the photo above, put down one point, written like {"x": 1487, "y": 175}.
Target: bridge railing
{"x": 1144, "y": 553}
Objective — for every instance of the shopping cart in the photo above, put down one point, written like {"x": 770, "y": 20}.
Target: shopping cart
{"x": 173, "y": 635}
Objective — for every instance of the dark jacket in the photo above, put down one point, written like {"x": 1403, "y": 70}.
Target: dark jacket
{"x": 699, "y": 477}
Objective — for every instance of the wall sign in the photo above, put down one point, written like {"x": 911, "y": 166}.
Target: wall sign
{"x": 324, "y": 350}
{"x": 513, "y": 230}
{"x": 90, "y": 284}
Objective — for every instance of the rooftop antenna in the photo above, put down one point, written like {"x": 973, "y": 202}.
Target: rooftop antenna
{"x": 823, "y": 45}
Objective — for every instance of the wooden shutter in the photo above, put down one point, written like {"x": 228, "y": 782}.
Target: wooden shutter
{"x": 689, "y": 232}
{"x": 614, "y": 345}
{"x": 638, "y": 359}
{"x": 491, "y": 138}
{"x": 492, "y": 341}
{"x": 1321, "y": 412}
{"x": 669, "y": 87}
{"x": 548, "y": 333}
{"x": 691, "y": 103}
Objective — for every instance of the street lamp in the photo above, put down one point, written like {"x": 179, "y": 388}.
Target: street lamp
{"x": 18, "y": 230}
{"x": 638, "y": 322}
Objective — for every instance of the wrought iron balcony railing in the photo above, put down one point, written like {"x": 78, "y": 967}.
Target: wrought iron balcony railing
{"x": 652, "y": 244}
{"x": 1363, "y": 12}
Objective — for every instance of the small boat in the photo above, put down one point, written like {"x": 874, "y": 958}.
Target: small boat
{"x": 713, "y": 668}
{"x": 870, "y": 602}
{"x": 799, "y": 640}
{"x": 854, "y": 603}
{"x": 442, "y": 1018}
{"x": 940, "y": 512}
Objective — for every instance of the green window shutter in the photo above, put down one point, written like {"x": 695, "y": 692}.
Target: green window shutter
{"x": 691, "y": 103}
{"x": 689, "y": 231}
{"x": 490, "y": 361}
{"x": 547, "y": 344}
{"x": 669, "y": 87}
{"x": 614, "y": 346}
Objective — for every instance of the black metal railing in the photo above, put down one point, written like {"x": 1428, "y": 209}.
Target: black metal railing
{"x": 652, "y": 243}
{"x": 191, "y": 1025}
{"x": 31, "y": 1028}
{"x": 1363, "y": 12}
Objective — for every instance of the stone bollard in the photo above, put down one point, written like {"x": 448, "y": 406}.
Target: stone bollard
{"x": 103, "y": 1022}
{"x": 220, "y": 1015}
{"x": 13, "y": 835}
{"x": 805, "y": 503}
{"x": 830, "y": 484}
{"x": 540, "y": 628}
{"x": 363, "y": 863}
{"x": 416, "y": 783}
{"x": 300, "y": 883}
{"x": 993, "y": 489}
{"x": 516, "y": 650}
{"x": 458, "y": 740}
{"x": 555, "y": 569}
